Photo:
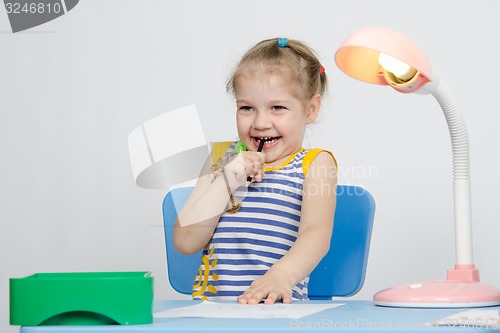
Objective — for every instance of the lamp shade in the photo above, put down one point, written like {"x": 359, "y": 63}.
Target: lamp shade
{"x": 169, "y": 149}
{"x": 358, "y": 55}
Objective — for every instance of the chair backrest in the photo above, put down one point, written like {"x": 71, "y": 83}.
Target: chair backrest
{"x": 340, "y": 273}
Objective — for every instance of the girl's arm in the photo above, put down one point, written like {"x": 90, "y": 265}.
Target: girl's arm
{"x": 201, "y": 212}
{"x": 196, "y": 222}
{"x": 313, "y": 240}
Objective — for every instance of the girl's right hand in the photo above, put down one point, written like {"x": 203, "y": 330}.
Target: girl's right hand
{"x": 245, "y": 164}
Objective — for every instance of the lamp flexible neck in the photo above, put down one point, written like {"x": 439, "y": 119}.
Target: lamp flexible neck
{"x": 457, "y": 129}
{"x": 461, "y": 172}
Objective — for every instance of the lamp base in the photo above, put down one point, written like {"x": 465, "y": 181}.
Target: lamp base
{"x": 439, "y": 294}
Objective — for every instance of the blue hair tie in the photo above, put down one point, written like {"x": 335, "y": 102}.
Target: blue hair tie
{"x": 282, "y": 42}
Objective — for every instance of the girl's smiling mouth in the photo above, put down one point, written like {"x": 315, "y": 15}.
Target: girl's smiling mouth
{"x": 269, "y": 141}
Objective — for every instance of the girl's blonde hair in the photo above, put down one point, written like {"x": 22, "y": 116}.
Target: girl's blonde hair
{"x": 299, "y": 60}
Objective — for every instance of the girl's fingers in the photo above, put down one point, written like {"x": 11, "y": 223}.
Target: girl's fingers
{"x": 271, "y": 298}
{"x": 245, "y": 164}
{"x": 253, "y": 165}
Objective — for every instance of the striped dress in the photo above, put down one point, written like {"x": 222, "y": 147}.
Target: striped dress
{"x": 247, "y": 243}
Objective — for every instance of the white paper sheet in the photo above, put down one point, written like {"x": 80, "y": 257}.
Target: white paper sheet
{"x": 209, "y": 309}
{"x": 472, "y": 319}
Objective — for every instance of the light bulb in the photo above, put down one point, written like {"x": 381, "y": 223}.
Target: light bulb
{"x": 402, "y": 71}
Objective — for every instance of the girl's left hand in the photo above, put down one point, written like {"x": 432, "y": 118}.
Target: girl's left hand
{"x": 269, "y": 288}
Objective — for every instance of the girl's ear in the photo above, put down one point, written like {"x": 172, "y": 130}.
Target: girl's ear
{"x": 313, "y": 108}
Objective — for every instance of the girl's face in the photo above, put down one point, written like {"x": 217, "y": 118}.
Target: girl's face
{"x": 267, "y": 108}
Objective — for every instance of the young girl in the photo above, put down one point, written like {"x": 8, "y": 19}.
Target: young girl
{"x": 264, "y": 247}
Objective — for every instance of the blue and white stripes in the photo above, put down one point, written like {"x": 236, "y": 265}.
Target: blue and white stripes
{"x": 246, "y": 244}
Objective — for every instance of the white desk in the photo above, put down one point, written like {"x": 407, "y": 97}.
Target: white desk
{"x": 354, "y": 316}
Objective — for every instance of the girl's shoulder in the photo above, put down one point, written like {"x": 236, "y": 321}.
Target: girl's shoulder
{"x": 311, "y": 154}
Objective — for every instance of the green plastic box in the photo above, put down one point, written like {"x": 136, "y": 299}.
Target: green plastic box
{"x": 88, "y": 298}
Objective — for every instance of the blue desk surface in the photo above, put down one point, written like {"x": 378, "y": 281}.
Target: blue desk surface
{"x": 354, "y": 316}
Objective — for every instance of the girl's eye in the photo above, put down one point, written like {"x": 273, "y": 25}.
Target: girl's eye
{"x": 278, "y": 107}
{"x": 245, "y": 108}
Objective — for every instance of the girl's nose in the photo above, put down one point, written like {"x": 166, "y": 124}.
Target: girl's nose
{"x": 262, "y": 120}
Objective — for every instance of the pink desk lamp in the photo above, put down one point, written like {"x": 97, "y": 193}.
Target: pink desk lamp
{"x": 381, "y": 56}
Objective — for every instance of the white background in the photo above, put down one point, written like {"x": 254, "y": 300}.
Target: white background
{"x": 73, "y": 89}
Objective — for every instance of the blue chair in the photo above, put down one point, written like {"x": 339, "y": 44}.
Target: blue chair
{"x": 340, "y": 273}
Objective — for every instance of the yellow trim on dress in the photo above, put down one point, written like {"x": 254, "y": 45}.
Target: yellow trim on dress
{"x": 284, "y": 164}
{"x": 311, "y": 155}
